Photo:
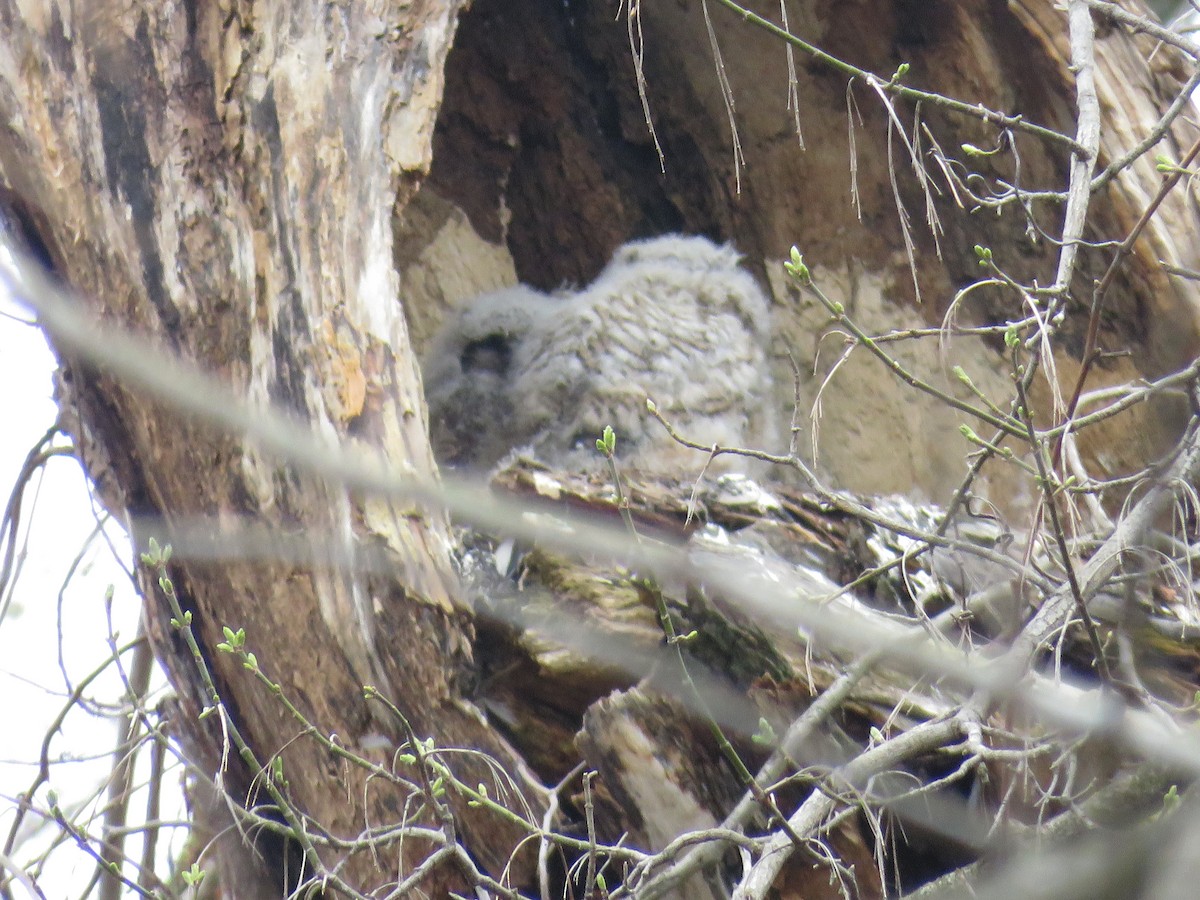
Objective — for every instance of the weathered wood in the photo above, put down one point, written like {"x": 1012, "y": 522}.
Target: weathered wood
{"x": 223, "y": 178}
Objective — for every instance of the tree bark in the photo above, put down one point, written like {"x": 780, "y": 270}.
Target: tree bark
{"x": 222, "y": 180}
{"x": 261, "y": 188}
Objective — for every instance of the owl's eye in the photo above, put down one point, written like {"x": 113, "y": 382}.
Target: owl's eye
{"x": 489, "y": 354}
{"x": 585, "y": 438}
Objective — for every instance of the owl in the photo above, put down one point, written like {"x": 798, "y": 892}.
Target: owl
{"x": 468, "y": 375}
{"x": 672, "y": 319}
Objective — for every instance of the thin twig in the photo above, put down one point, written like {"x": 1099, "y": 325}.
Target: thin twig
{"x": 972, "y": 110}
{"x": 1090, "y": 349}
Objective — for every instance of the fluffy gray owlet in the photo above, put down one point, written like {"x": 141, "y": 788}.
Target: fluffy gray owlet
{"x": 468, "y": 376}
{"x": 671, "y": 318}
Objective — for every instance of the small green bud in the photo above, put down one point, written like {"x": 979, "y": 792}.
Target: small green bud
{"x": 764, "y": 735}
{"x": 796, "y": 267}
{"x": 1171, "y": 799}
{"x": 153, "y": 555}
{"x": 608, "y": 441}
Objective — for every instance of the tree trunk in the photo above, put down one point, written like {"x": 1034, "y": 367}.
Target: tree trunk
{"x": 289, "y": 196}
{"x": 222, "y": 180}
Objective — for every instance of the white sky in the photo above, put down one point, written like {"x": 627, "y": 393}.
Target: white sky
{"x": 57, "y": 520}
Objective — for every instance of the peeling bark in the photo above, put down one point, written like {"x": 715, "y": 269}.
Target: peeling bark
{"x": 222, "y": 178}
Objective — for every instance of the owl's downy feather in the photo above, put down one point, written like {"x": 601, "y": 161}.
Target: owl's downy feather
{"x": 469, "y": 375}
{"x": 671, "y": 318}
